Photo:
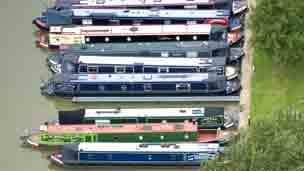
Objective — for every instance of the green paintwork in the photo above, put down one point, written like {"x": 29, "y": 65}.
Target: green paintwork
{"x": 58, "y": 140}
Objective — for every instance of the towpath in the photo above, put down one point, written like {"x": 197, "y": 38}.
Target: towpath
{"x": 247, "y": 73}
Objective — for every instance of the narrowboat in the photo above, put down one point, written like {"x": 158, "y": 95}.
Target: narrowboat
{"x": 139, "y": 85}
{"x": 55, "y": 135}
{"x": 53, "y": 17}
{"x": 205, "y": 117}
{"x": 237, "y": 6}
{"x": 123, "y": 65}
{"x": 143, "y": 33}
{"x": 189, "y": 49}
{"x": 135, "y": 154}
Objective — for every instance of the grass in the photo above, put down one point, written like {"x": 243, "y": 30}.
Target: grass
{"x": 276, "y": 87}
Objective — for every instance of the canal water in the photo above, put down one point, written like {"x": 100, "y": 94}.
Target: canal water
{"x": 22, "y": 107}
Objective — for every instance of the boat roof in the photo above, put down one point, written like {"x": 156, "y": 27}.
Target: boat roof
{"x": 144, "y": 47}
{"x": 148, "y": 112}
{"x": 147, "y": 78}
{"x": 132, "y": 30}
{"x": 140, "y": 147}
{"x": 139, "y": 3}
{"x": 78, "y": 116}
{"x": 149, "y": 61}
{"x": 121, "y": 128}
{"x": 147, "y": 13}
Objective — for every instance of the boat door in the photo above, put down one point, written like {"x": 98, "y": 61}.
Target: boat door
{"x": 138, "y": 68}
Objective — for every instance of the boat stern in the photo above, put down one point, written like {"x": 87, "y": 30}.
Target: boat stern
{"x": 41, "y": 23}
{"x": 239, "y": 6}
{"x": 53, "y": 62}
{"x": 56, "y": 159}
{"x": 47, "y": 88}
{"x": 233, "y": 86}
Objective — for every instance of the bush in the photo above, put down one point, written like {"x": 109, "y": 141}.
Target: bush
{"x": 272, "y": 143}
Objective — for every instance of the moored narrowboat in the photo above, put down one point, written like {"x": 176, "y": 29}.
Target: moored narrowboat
{"x": 138, "y": 85}
{"x": 53, "y": 17}
{"x": 205, "y": 117}
{"x": 55, "y": 135}
{"x": 135, "y": 154}
{"x": 237, "y": 6}
{"x": 189, "y": 49}
{"x": 130, "y": 65}
{"x": 143, "y": 33}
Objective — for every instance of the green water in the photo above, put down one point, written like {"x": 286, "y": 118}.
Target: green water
{"x": 22, "y": 106}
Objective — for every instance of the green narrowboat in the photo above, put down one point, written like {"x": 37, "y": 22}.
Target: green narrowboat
{"x": 206, "y": 117}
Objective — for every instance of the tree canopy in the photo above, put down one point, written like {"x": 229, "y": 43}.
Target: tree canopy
{"x": 273, "y": 143}
{"x": 277, "y": 29}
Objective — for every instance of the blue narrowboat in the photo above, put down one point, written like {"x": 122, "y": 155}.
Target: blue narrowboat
{"x": 164, "y": 84}
{"x": 53, "y": 17}
{"x": 237, "y": 6}
{"x": 122, "y": 65}
{"x": 135, "y": 154}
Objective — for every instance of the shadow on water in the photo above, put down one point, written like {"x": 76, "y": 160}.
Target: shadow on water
{"x": 52, "y": 167}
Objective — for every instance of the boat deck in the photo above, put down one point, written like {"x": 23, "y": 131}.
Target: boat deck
{"x": 122, "y": 128}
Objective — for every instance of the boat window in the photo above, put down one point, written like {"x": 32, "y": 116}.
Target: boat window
{"x": 124, "y": 88}
{"x": 101, "y": 87}
{"x": 106, "y": 69}
{"x": 129, "y": 70}
{"x": 92, "y": 69}
{"x": 193, "y": 54}
{"x": 120, "y": 69}
{"x": 183, "y": 87}
{"x": 150, "y": 69}
{"x": 83, "y": 68}
{"x": 164, "y": 54}
{"x": 147, "y": 87}
{"x": 89, "y": 87}
{"x": 163, "y": 69}
{"x": 182, "y": 70}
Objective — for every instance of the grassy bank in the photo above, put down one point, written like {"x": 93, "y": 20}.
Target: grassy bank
{"x": 276, "y": 87}
{"x": 277, "y": 41}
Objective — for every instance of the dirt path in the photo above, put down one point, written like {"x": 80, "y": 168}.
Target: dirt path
{"x": 247, "y": 72}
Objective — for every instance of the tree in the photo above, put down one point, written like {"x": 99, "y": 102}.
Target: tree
{"x": 277, "y": 28}
{"x": 272, "y": 143}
